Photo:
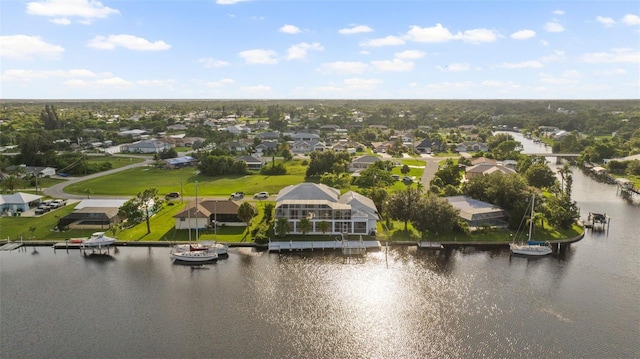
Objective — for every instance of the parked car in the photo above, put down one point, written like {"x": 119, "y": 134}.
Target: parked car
{"x": 42, "y": 209}
{"x": 58, "y": 203}
{"x": 396, "y": 177}
{"x": 261, "y": 195}
{"x": 172, "y": 195}
{"x": 237, "y": 195}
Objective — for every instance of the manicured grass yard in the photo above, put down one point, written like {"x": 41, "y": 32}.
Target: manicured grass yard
{"x": 14, "y": 227}
{"x": 130, "y": 182}
{"x": 116, "y": 161}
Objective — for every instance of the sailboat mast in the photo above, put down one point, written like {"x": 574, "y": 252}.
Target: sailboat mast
{"x": 196, "y": 212}
{"x": 533, "y": 200}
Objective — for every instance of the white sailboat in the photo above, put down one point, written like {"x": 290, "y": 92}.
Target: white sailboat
{"x": 193, "y": 253}
{"x": 531, "y": 248}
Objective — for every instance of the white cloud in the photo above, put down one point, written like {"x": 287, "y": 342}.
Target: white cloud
{"x": 502, "y": 86}
{"x": 393, "y": 65}
{"x": 257, "y": 89}
{"x": 558, "y": 12}
{"x": 344, "y": 67}
{"x": 523, "y": 34}
{"x": 86, "y": 10}
{"x": 25, "y": 47}
{"x": 28, "y": 75}
{"x": 631, "y": 19}
{"x": 455, "y": 67}
{"x": 130, "y": 42}
{"x": 61, "y": 21}
{"x": 606, "y": 21}
{"x": 209, "y": 62}
{"x": 156, "y": 83}
{"x": 452, "y": 85}
{"x": 553, "y": 27}
{"x": 355, "y": 30}
{"x": 220, "y": 83}
{"x": 568, "y": 77}
{"x": 522, "y": 65}
{"x": 410, "y": 54}
{"x": 289, "y": 29}
{"x": 557, "y": 55}
{"x": 228, "y": 2}
{"x": 478, "y": 35}
{"x": 259, "y": 56}
{"x": 299, "y": 51}
{"x": 436, "y": 33}
{"x": 611, "y": 72}
{"x": 384, "y": 41}
{"x": 361, "y": 84}
{"x": 439, "y": 33}
{"x": 544, "y": 43}
{"x": 614, "y": 56}
{"x": 116, "y": 82}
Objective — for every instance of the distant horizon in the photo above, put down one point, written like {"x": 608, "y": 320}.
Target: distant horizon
{"x": 311, "y": 99}
{"x": 320, "y": 49}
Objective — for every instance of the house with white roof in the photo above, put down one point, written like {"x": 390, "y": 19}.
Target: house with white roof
{"x": 350, "y": 213}
{"x": 18, "y": 202}
{"x": 146, "y": 146}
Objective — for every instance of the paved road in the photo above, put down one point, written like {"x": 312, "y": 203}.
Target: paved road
{"x": 57, "y": 191}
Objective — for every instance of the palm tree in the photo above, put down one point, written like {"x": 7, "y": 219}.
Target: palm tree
{"x": 305, "y": 225}
{"x": 11, "y": 183}
{"x": 246, "y": 212}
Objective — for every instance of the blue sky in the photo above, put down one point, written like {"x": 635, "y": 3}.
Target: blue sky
{"x": 267, "y": 49}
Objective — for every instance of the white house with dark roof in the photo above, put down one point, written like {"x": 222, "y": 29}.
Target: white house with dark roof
{"x": 350, "y": 213}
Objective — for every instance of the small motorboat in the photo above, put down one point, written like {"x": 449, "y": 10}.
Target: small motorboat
{"x": 98, "y": 240}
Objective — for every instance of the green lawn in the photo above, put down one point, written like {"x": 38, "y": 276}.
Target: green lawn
{"x": 14, "y": 227}
{"x": 116, "y": 161}
{"x": 130, "y": 182}
{"x": 413, "y": 162}
{"x": 397, "y": 233}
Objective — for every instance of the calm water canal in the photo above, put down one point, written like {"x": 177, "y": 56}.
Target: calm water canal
{"x": 404, "y": 304}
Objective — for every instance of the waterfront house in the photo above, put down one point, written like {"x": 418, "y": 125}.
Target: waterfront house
{"x": 93, "y": 214}
{"x": 478, "y": 213}
{"x": 209, "y": 211}
{"x": 350, "y": 213}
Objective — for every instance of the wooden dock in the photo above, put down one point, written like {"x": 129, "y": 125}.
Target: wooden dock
{"x": 11, "y": 246}
{"x": 347, "y": 247}
{"x": 430, "y": 245}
